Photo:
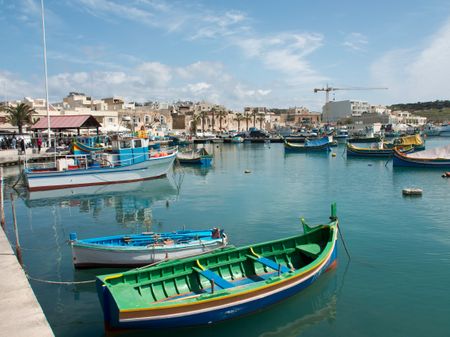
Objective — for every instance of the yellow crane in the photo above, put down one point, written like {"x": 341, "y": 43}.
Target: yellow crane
{"x": 327, "y": 90}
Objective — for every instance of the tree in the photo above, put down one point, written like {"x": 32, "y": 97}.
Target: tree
{"x": 213, "y": 116}
{"x": 261, "y": 119}
{"x": 254, "y": 113}
{"x": 222, "y": 113}
{"x": 247, "y": 118}
{"x": 20, "y": 115}
{"x": 238, "y": 119}
{"x": 195, "y": 119}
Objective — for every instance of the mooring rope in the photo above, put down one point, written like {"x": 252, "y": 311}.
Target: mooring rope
{"x": 343, "y": 241}
{"x": 58, "y": 282}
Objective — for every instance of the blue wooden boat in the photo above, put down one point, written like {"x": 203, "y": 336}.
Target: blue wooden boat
{"x": 322, "y": 144}
{"x": 128, "y": 160}
{"x": 219, "y": 285}
{"x": 432, "y": 158}
{"x": 199, "y": 157}
{"x": 143, "y": 249}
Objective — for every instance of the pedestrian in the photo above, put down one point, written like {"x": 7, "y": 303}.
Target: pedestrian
{"x": 22, "y": 146}
{"x": 39, "y": 144}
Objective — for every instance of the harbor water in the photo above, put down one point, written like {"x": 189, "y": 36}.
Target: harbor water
{"x": 395, "y": 284}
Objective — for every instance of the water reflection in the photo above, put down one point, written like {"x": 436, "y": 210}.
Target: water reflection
{"x": 131, "y": 202}
{"x": 313, "y": 306}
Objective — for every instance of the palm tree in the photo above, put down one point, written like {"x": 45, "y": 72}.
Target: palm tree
{"x": 213, "y": 114}
{"x": 260, "y": 119}
{"x": 247, "y": 118}
{"x": 222, "y": 113}
{"x": 238, "y": 119}
{"x": 195, "y": 119}
{"x": 254, "y": 113}
{"x": 203, "y": 115}
{"x": 20, "y": 115}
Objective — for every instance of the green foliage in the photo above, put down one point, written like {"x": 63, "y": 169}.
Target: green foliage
{"x": 436, "y": 111}
{"x": 20, "y": 115}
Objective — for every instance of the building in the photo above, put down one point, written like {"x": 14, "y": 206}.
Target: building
{"x": 336, "y": 110}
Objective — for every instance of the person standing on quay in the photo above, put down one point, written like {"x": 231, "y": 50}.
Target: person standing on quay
{"x": 39, "y": 144}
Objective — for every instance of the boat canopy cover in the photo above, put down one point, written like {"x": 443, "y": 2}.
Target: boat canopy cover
{"x": 409, "y": 140}
{"x": 436, "y": 153}
{"x": 317, "y": 142}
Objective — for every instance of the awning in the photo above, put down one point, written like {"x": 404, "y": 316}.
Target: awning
{"x": 67, "y": 122}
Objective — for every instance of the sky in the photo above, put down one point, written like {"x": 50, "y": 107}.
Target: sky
{"x": 234, "y": 53}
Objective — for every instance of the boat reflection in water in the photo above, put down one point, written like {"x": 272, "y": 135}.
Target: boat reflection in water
{"x": 131, "y": 202}
{"x": 291, "y": 318}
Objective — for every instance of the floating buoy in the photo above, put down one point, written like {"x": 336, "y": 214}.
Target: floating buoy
{"x": 446, "y": 175}
{"x": 412, "y": 191}
{"x": 333, "y": 154}
{"x": 247, "y": 171}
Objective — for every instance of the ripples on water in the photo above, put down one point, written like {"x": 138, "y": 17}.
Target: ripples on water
{"x": 399, "y": 273}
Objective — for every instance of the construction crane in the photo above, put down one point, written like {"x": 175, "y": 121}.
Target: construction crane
{"x": 327, "y": 90}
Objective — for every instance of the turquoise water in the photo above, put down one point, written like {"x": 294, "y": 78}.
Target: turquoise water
{"x": 396, "y": 283}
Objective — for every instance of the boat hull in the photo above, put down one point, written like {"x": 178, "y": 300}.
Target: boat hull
{"x": 88, "y": 256}
{"x": 253, "y": 292}
{"x": 400, "y": 160}
{"x": 149, "y": 169}
{"x": 215, "y": 312}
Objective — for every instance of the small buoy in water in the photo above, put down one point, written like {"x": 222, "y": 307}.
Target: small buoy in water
{"x": 247, "y": 171}
{"x": 369, "y": 164}
{"x": 333, "y": 154}
{"x": 446, "y": 175}
{"x": 412, "y": 191}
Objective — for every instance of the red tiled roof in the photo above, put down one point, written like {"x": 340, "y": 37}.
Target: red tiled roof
{"x": 67, "y": 122}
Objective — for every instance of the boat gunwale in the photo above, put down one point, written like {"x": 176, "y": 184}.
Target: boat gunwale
{"x": 248, "y": 292}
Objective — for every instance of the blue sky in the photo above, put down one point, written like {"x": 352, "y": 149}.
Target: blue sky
{"x": 236, "y": 53}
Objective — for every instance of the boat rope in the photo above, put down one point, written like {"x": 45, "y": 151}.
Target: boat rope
{"x": 387, "y": 161}
{"x": 58, "y": 282}
{"x": 343, "y": 241}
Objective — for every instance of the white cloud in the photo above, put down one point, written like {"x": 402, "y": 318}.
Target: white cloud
{"x": 199, "y": 87}
{"x": 417, "y": 74}
{"x": 356, "y": 41}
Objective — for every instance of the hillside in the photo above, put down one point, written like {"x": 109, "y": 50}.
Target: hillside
{"x": 436, "y": 111}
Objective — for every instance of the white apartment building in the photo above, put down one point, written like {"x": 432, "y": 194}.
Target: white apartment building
{"x": 335, "y": 110}
{"x": 405, "y": 117}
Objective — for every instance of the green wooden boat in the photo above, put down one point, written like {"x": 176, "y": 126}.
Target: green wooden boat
{"x": 220, "y": 285}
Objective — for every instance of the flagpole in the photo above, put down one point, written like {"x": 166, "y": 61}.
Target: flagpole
{"x": 46, "y": 74}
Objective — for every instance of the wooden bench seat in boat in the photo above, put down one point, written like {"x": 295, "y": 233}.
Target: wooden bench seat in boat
{"x": 309, "y": 249}
{"x": 212, "y": 276}
{"x": 269, "y": 263}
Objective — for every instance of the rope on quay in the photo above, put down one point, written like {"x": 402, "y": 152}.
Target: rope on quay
{"x": 58, "y": 282}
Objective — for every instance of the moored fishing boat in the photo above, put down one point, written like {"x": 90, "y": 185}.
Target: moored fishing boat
{"x": 143, "y": 249}
{"x": 322, "y": 144}
{"x": 437, "y": 157}
{"x": 129, "y": 160}
{"x": 219, "y": 285}
{"x": 402, "y": 143}
{"x": 199, "y": 157}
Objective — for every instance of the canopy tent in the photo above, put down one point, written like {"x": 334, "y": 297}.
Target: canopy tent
{"x": 60, "y": 123}
{"x": 113, "y": 128}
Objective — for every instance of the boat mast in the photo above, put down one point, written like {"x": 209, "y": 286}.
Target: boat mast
{"x": 46, "y": 75}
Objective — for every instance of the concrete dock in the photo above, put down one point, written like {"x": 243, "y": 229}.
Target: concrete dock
{"x": 20, "y": 312}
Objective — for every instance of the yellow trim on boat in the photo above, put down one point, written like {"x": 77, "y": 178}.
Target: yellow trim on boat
{"x": 293, "y": 275}
{"x": 112, "y": 277}
{"x": 199, "y": 265}
{"x": 253, "y": 252}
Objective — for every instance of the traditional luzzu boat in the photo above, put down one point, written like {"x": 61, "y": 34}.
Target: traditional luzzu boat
{"x": 200, "y": 157}
{"x": 220, "y": 285}
{"x": 405, "y": 144}
{"x": 437, "y": 157}
{"x": 322, "y": 144}
{"x": 143, "y": 249}
{"x": 128, "y": 160}
{"x": 86, "y": 145}
{"x": 414, "y": 141}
